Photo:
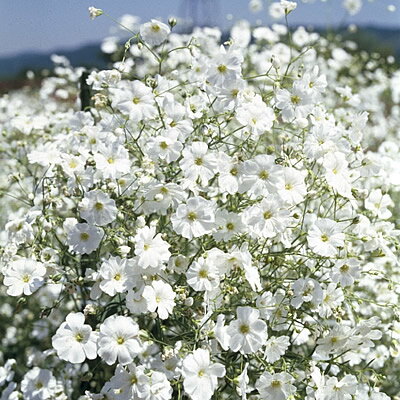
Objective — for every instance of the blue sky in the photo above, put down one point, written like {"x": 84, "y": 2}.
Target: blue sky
{"x": 44, "y": 25}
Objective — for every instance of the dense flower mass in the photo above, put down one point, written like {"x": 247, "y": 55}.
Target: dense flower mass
{"x": 218, "y": 222}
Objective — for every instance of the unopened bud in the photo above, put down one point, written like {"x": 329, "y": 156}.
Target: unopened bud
{"x": 172, "y": 22}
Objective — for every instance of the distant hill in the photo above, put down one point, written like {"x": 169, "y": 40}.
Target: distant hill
{"x": 373, "y": 39}
{"x": 14, "y": 66}
{"x": 370, "y": 38}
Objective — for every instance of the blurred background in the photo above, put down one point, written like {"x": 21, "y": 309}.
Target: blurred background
{"x": 32, "y": 30}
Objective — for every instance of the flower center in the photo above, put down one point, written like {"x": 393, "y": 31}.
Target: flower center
{"x": 288, "y": 186}
{"x": 234, "y": 171}
{"x": 201, "y": 373}
{"x": 110, "y": 160}
{"x": 79, "y": 337}
{"x": 276, "y": 384}
{"x": 244, "y": 328}
{"x": 155, "y": 28}
{"x": 134, "y": 379}
{"x": 120, "y": 340}
{"x": 99, "y": 206}
{"x": 26, "y": 278}
{"x": 344, "y": 268}
{"x": 84, "y": 236}
{"x": 230, "y": 226}
{"x": 234, "y": 92}
{"x": 198, "y": 161}
{"x": 324, "y": 237}
{"x": 295, "y": 99}
{"x": 192, "y": 216}
{"x": 136, "y": 100}
{"x": 164, "y": 145}
{"x": 117, "y": 276}
{"x": 203, "y": 273}
{"x": 267, "y": 214}
{"x": 263, "y": 175}
{"x": 38, "y": 385}
{"x": 222, "y": 68}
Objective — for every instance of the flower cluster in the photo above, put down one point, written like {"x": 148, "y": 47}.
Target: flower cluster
{"x": 218, "y": 223}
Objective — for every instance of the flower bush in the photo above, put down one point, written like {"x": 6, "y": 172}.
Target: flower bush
{"x": 218, "y": 223}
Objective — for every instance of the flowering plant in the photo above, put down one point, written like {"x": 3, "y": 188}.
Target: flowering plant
{"x": 218, "y": 223}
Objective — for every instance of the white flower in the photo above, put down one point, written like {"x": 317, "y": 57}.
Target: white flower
{"x": 276, "y": 11}
{"x": 118, "y": 340}
{"x": 352, "y": 6}
{"x": 84, "y": 238}
{"x": 247, "y": 333}
{"x": 220, "y": 331}
{"x": 377, "y": 203}
{"x": 228, "y": 178}
{"x": 151, "y": 250}
{"x": 276, "y": 347}
{"x": 224, "y": 67}
{"x": 241, "y": 258}
{"x": 195, "y": 218}
{"x": 255, "y": 5}
{"x": 112, "y": 161}
{"x": 160, "y": 197}
{"x": 325, "y": 236}
{"x": 75, "y": 341}
{"x": 243, "y": 383}
{"x": 159, "y": 296}
{"x": 288, "y": 6}
{"x": 268, "y": 218}
{"x": 256, "y": 116}
{"x": 154, "y": 32}
{"x": 332, "y": 298}
{"x": 296, "y": 103}
{"x": 275, "y": 386}
{"x": 24, "y": 276}
{"x": 346, "y": 271}
{"x": 38, "y": 384}
{"x": 129, "y": 382}
{"x": 200, "y": 376}
{"x": 306, "y": 290}
{"x": 158, "y": 387}
{"x": 19, "y": 231}
{"x": 135, "y": 99}
{"x": 291, "y": 188}
{"x": 202, "y": 275}
{"x": 135, "y": 302}
{"x": 165, "y": 147}
{"x": 99, "y": 80}
{"x": 337, "y": 173}
{"x": 334, "y": 341}
{"x": 97, "y": 208}
{"x": 95, "y": 12}
{"x": 259, "y": 176}
{"x": 7, "y": 371}
{"x": 228, "y": 225}
{"x": 198, "y": 163}
{"x": 335, "y": 389}
{"x": 117, "y": 275}
{"x": 279, "y": 10}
